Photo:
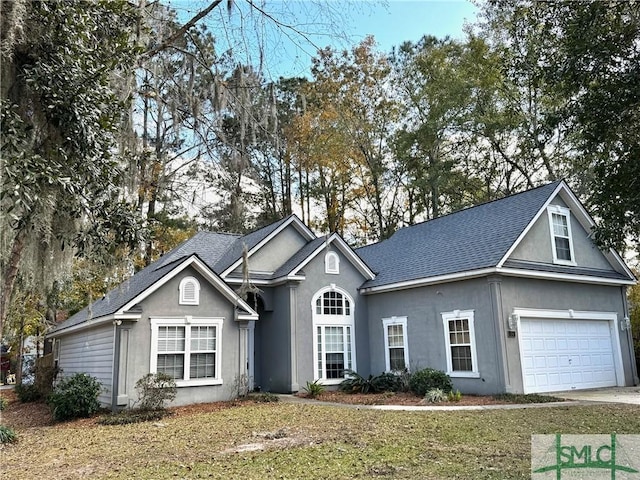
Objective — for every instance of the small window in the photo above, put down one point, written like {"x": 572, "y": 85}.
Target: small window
{"x": 395, "y": 341}
{"x": 189, "y": 291}
{"x": 332, "y": 263}
{"x": 460, "y": 343}
{"x": 561, "y": 240}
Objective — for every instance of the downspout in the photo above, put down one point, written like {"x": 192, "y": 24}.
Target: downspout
{"x": 632, "y": 357}
{"x": 116, "y": 365}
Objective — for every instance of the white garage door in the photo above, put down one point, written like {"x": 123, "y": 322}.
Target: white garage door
{"x": 566, "y": 354}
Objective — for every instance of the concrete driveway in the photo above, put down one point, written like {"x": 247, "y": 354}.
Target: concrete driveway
{"x": 608, "y": 395}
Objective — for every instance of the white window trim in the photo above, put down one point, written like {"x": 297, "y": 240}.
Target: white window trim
{"x": 187, "y": 322}
{"x": 187, "y": 301}
{"x": 336, "y": 259}
{"x": 456, "y": 315}
{"x": 322, "y": 320}
{"x": 565, "y": 212}
{"x": 386, "y": 323}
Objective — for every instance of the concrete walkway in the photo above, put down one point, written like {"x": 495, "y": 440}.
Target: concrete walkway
{"x": 629, "y": 395}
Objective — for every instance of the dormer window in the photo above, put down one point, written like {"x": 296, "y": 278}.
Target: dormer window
{"x": 332, "y": 263}
{"x": 189, "y": 291}
{"x": 561, "y": 240}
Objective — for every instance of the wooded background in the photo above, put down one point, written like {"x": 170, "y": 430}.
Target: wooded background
{"x": 126, "y": 128}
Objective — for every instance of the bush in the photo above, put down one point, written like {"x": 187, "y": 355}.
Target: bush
{"x": 132, "y": 416}
{"x": 435, "y": 395}
{"x": 386, "y": 382}
{"x": 356, "y": 383}
{"x": 7, "y": 435}
{"x": 265, "y": 397}
{"x": 3, "y": 403}
{"x": 455, "y": 396}
{"x": 27, "y": 392}
{"x": 154, "y": 389}
{"x": 75, "y": 397}
{"x": 427, "y": 379}
{"x": 313, "y": 389}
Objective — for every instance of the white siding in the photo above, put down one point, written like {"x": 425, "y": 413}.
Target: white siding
{"x": 90, "y": 352}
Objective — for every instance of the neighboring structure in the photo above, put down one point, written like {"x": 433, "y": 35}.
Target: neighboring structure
{"x": 508, "y": 296}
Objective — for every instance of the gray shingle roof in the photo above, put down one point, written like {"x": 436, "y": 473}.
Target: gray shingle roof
{"x": 471, "y": 239}
{"x": 217, "y": 250}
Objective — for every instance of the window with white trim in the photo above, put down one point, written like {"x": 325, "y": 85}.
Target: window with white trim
{"x": 561, "y": 239}
{"x": 189, "y": 291}
{"x": 332, "y": 263}
{"x": 187, "y": 349}
{"x": 333, "y": 327}
{"x": 395, "y": 344}
{"x": 460, "y": 342}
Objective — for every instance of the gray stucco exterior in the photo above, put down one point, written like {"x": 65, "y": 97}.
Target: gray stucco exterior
{"x": 485, "y": 270}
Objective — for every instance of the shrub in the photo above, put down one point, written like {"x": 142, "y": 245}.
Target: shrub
{"x": 7, "y": 435}
{"x": 132, "y": 416}
{"x": 75, "y": 397}
{"x": 154, "y": 389}
{"x": 355, "y": 383}
{"x": 265, "y": 397}
{"x": 313, "y": 389}
{"x": 386, "y": 382}
{"x": 427, "y": 379}
{"x": 455, "y": 396}
{"x": 435, "y": 395}
{"x": 27, "y": 392}
{"x": 3, "y": 403}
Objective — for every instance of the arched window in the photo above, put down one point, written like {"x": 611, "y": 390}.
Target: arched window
{"x": 332, "y": 263}
{"x": 334, "y": 335}
{"x": 189, "y": 291}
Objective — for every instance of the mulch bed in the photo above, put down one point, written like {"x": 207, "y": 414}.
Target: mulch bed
{"x": 400, "y": 398}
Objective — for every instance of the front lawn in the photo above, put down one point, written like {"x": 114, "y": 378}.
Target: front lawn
{"x": 285, "y": 440}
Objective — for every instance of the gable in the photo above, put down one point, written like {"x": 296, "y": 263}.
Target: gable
{"x": 166, "y": 299}
{"x": 276, "y": 251}
{"x": 537, "y": 247}
{"x": 337, "y": 249}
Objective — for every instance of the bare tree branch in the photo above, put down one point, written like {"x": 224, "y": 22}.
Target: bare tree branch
{"x": 166, "y": 42}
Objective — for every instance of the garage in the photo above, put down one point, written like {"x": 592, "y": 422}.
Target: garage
{"x": 567, "y": 353}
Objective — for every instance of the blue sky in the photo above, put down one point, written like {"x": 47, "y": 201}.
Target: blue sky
{"x": 391, "y": 22}
{"x": 402, "y": 20}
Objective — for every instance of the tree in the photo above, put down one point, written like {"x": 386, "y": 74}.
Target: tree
{"x": 437, "y": 88}
{"x": 340, "y": 141}
{"x": 60, "y": 115}
{"x": 584, "y": 57}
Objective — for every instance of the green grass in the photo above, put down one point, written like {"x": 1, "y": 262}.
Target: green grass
{"x": 307, "y": 441}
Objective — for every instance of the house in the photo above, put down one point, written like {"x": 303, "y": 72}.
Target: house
{"x": 508, "y": 296}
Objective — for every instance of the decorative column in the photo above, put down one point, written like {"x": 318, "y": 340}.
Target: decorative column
{"x": 502, "y": 359}
{"x": 293, "y": 335}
